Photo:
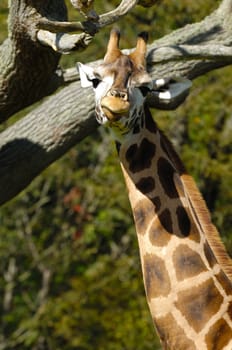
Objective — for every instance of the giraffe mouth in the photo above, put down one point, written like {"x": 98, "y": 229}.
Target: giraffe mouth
{"x": 114, "y": 107}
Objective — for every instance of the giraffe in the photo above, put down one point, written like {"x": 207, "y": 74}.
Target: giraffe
{"x": 186, "y": 270}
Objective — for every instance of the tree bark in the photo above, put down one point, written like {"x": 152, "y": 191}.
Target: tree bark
{"x": 27, "y": 69}
{"x": 44, "y": 135}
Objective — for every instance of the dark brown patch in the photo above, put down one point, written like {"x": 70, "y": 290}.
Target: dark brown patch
{"x": 183, "y": 221}
{"x": 209, "y": 255}
{"x": 146, "y": 184}
{"x": 166, "y": 172}
{"x": 143, "y": 214}
{"x": 149, "y": 122}
{"x": 173, "y": 335}
{"x": 166, "y": 220}
{"x": 157, "y": 202}
{"x": 140, "y": 157}
{"x": 130, "y": 153}
{"x": 194, "y": 233}
{"x": 136, "y": 129}
{"x": 158, "y": 236}
{"x": 225, "y": 282}
{"x": 156, "y": 277}
{"x": 187, "y": 262}
{"x": 140, "y": 219}
{"x": 199, "y": 304}
{"x": 230, "y": 310}
{"x": 219, "y": 335}
{"x": 168, "y": 149}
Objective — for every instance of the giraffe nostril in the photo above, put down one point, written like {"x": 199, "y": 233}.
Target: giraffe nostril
{"x": 118, "y": 93}
{"x": 114, "y": 93}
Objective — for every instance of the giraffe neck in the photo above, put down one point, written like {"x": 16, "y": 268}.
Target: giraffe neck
{"x": 184, "y": 270}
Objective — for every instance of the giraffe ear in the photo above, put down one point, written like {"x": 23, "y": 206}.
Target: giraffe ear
{"x": 169, "y": 93}
{"x": 87, "y": 75}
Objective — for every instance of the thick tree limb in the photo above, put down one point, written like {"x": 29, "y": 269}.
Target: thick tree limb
{"x": 44, "y": 135}
{"x": 65, "y": 118}
{"x": 214, "y": 51}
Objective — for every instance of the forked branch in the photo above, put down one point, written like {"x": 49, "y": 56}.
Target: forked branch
{"x": 52, "y": 34}
{"x": 113, "y": 16}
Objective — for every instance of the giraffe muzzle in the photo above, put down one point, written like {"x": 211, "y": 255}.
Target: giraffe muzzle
{"x": 114, "y": 107}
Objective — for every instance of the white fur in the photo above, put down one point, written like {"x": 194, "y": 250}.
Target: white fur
{"x": 86, "y": 75}
{"x": 173, "y": 90}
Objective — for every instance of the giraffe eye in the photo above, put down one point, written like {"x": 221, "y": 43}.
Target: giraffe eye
{"x": 95, "y": 82}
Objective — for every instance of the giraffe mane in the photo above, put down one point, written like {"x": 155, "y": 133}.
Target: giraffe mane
{"x": 211, "y": 233}
{"x": 199, "y": 210}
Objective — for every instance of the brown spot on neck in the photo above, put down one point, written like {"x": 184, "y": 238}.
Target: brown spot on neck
{"x": 157, "y": 203}
{"x": 187, "y": 262}
{"x": 156, "y": 277}
{"x": 170, "y": 152}
{"x": 143, "y": 214}
{"x": 172, "y": 335}
{"x": 149, "y": 122}
{"x": 158, "y": 236}
{"x": 166, "y": 176}
{"x": 199, "y": 304}
{"x": 139, "y": 157}
{"x": 183, "y": 221}
{"x": 219, "y": 335}
{"x": 166, "y": 220}
{"x": 146, "y": 184}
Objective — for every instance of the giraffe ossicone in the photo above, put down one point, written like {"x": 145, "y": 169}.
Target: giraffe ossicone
{"x": 187, "y": 272}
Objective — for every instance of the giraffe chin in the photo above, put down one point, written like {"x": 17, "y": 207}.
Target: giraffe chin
{"x": 113, "y": 116}
{"x": 114, "y": 108}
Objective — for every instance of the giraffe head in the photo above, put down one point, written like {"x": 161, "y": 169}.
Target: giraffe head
{"x": 120, "y": 82}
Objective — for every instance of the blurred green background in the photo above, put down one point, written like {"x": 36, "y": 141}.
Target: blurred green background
{"x": 70, "y": 274}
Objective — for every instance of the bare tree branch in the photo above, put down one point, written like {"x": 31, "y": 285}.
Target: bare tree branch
{"x": 9, "y": 277}
{"x": 66, "y": 43}
{"x": 88, "y": 26}
{"x": 66, "y": 27}
{"x": 86, "y": 8}
{"x": 62, "y": 42}
{"x": 36, "y": 254}
{"x": 113, "y": 16}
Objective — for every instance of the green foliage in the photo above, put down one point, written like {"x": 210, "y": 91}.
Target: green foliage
{"x": 106, "y": 305}
{"x": 69, "y": 265}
